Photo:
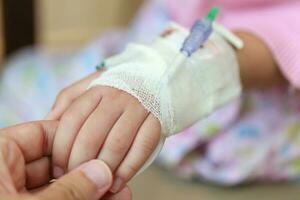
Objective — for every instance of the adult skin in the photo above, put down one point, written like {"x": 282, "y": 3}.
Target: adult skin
{"x": 25, "y": 168}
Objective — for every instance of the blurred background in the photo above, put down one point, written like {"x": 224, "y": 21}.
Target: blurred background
{"x": 68, "y": 25}
{"x": 60, "y": 23}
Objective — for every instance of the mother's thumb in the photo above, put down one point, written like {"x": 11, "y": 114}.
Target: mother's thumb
{"x": 89, "y": 181}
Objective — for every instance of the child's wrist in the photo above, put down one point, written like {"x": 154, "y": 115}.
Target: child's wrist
{"x": 258, "y": 68}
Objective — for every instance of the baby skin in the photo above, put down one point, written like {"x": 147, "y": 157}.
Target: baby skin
{"x": 111, "y": 125}
{"x": 103, "y": 123}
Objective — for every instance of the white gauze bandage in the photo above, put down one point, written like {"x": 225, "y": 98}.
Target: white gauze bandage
{"x": 177, "y": 93}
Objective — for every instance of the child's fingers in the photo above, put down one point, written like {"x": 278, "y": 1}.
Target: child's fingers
{"x": 67, "y": 96}
{"x": 69, "y": 126}
{"x": 121, "y": 136}
{"x": 93, "y": 133}
{"x": 141, "y": 149}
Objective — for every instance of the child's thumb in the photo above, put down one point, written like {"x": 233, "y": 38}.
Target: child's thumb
{"x": 89, "y": 181}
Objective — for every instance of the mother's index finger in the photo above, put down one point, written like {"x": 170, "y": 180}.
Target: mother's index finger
{"x": 35, "y": 139}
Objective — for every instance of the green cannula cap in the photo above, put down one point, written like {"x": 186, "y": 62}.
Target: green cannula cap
{"x": 212, "y": 14}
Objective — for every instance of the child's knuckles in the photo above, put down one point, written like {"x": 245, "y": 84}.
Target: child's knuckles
{"x": 94, "y": 94}
{"x": 114, "y": 102}
{"x": 114, "y": 93}
{"x": 117, "y": 97}
{"x": 96, "y": 90}
{"x": 135, "y": 105}
{"x": 107, "y": 90}
{"x": 138, "y": 108}
{"x": 68, "y": 116}
{"x": 72, "y": 114}
{"x": 61, "y": 101}
{"x": 64, "y": 94}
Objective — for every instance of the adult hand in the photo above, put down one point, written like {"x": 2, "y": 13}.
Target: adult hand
{"x": 25, "y": 152}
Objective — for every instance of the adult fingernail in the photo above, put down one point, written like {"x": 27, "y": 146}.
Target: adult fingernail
{"x": 57, "y": 172}
{"x": 117, "y": 185}
{"x": 97, "y": 172}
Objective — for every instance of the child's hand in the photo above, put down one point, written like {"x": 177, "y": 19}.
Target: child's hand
{"x": 106, "y": 123}
{"x": 68, "y": 95}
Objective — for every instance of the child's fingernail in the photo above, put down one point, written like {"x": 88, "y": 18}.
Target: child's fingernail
{"x": 98, "y": 172}
{"x": 117, "y": 185}
{"x": 57, "y": 172}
